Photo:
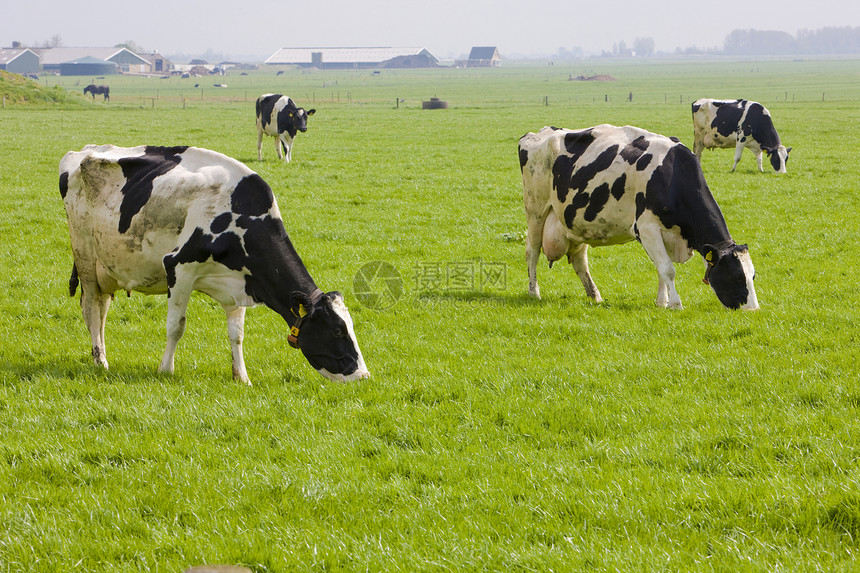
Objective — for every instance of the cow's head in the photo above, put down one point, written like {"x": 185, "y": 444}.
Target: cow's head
{"x": 325, "y": 335}
{"x": 778, "y": 157}
{"x": 730, "y": 273}
{"x": 293, "y": 119}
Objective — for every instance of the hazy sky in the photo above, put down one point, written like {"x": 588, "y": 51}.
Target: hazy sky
{"x": 448, "y": 28}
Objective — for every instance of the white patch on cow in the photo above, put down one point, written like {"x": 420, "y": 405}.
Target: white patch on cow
{"x": 361, "y": 371}
{"x": 749, "y": 273}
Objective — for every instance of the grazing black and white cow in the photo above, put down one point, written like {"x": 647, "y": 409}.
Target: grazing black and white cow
{"x": 737, "y": 124}
{"x": 607, "y": 185}
{"x": 93, "y": 89}
{"x": 280, "y": 117}
{"x": 178, "y": 219}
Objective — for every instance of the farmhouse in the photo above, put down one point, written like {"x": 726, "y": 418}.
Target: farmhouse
{"x": 126, "y": 60}
{"x": 345, "y": 58}
{"x": 19, "y": 60}
{"x": 484, "y": 57}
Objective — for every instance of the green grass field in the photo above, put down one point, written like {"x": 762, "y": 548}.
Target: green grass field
{"x": 497, "y": 432}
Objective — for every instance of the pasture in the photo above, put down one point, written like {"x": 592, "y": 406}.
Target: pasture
{"x": 497, "y": 432}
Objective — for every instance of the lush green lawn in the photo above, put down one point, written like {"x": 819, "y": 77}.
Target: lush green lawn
{"x": 497, "y": 432}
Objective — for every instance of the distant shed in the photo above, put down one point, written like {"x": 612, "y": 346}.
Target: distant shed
{"x": 19, "y": 61}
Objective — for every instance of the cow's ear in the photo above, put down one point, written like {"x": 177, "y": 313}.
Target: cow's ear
{"x": 301, "y": 305}
{"x": 311, "y": 111}
{"x": 710, "y": 254}
{"x": 787, "y": 150}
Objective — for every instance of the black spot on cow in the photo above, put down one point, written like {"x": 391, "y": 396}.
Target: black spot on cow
{"x": 668, "y": 196}
{"x": 224, "y": 248}
{"x": 139, "y": 173}
{"x": 265, "y": 107}
{"x": 252, "y": 197}
{"x": 759, "y": 126}
{"x": 577, "y": 142}
{"x": 524, "y": 157}
{"x": 598, "y": 200}
{"x": 634, "y": 150}
{"x": 583, "y": 175}
{"x": 562, "y": 170}
{"x": 64, "y": 184}
{"x": 220, "y": 223}
{"x": 640, "y": 205}
{"x": 728, "y": 117}
{"x": 618, "y": 187}
{"x": 580, "y": 200}
{"x": 644, "y": 161}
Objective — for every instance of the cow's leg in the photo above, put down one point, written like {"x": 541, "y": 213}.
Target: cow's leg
{"x": 652, "y": 241}
{"x": 236, "y": 333}
{"x": 279, "y": 147}
{"x": 259, "y": 144}
{"x": 578, "y": 258}
{"x": 177, "y": 305}
{"x": 758, "y": 160}
{"x": 739, "y": 149}
{"x": 698, "y": 146}
{"x": 534, "y": 239}
{"x": 94, "y": 306}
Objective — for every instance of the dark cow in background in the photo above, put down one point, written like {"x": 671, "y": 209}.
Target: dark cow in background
{"x": 737, "y": 124}
{"x": 178, "y": 219}
{"x": 93, "y": 90}
{"x": 607, "y": 185}
{"x": 280, "y": 117}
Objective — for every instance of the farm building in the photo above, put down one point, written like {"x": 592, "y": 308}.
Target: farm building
{"x": 88, "y": 66}
{"x": 128, "y": 61}
{"x": 484, "y": 57}
{"x": 19, "y": 61}
{"x": 158, "y": 64}
{"x": 346, "y": 58}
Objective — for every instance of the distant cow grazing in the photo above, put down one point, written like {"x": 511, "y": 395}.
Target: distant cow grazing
{"x": 280, "y": 117}
{"x": 608, "y": 185}
{"x": 93, "y": 89}
{"x": 178, "y": 219}
{"x": 737, "y": 124}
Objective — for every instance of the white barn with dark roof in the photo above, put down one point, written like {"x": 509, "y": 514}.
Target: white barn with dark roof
{"x": 343, "y": 58}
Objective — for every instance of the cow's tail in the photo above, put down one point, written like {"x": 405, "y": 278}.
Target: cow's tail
{"x": 73, "y": 281}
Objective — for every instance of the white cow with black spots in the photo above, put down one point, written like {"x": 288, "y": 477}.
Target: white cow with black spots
{"x": 280, "y": 117}
{"x": 607, "y": 185}
{"x": 178, "y": 219}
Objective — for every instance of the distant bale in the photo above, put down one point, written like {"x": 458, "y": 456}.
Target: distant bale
{"x": 434, "y": 103}
{"x": 597, "y": 78}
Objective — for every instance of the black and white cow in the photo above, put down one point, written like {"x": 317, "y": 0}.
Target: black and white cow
{"x": 178, "y": 219}
{"x": 607, "y": 185}
{"x": 737, "y": 124}
{"x": 280, "y": 117}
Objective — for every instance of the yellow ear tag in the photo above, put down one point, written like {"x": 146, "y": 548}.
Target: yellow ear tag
{"x": 302, "y": 311}
{"x": 709, "y": 256}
